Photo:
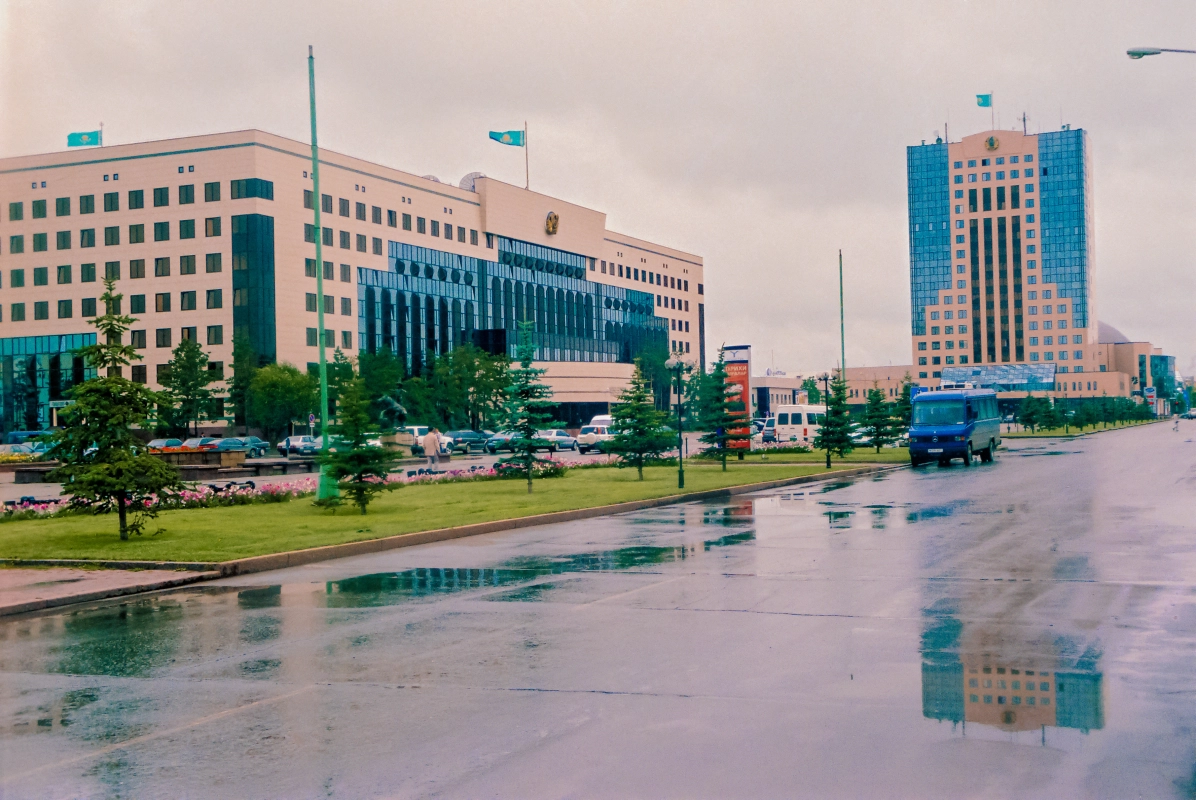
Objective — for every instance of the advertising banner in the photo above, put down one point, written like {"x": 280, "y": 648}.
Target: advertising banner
{"x": 739, "y": 374}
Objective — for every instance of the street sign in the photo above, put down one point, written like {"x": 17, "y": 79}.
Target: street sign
{"x": 311, "y": 419}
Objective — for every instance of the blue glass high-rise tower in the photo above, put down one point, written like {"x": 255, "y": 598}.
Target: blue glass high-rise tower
{"x": 1000, "y": 233}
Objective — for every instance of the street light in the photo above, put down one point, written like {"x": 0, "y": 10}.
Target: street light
{"x": 679, "y": 367}
{"x": 826, "y": 399}
{"x": 1142, "y": 52}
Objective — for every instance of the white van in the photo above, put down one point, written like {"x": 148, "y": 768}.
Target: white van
{"x": 603, "y": 420}
{"x": 798, "y": 424}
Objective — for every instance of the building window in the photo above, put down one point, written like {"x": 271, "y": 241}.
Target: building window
{"x": 136, "y": 234}
{"x": 87, "y": 273}
{"x": 17, "y": 312}
{"x": 161, "y": 267}
{"x": 64, "y": 273}
{"x": 329, "y": 271}
{"x": 346, "y": 273}
{"x": 62, "y": 207}
{"x": 161, "y": 232}
{"x": 346, "y": 339}
{"x": 187, "y": 194}
{"x": 473, "y": 237}
{"x": 377, "y": 246}
{"x": 186, "y": 229}
{"x": 87, "y": 204}
{"x": 16, "y": 278}
{"x": 361, "y": 243}
{"x": 186, "y": 301}
{"x": 213, "y": 262}
{"x": 136, "y": 268}
{"x": 448, "y": 231}
{"x": 420, "y": 225}
{"x": 87, "y": 237}
{"x": 63, "y": 240}
{"x": 41, "y": 276}
{"x": 186, "y": 265}
{"x": 215, "y": 334}
{"x": 311, "y": 301}
{"x": 161, "y": 197}
{"x": 215, "y": 298}
{"x": 162, "y": 338}
{"x": 111, "y": 235}
{"x": 162, "y": 301}
{"x": 344, "y": 207}
{"x": 137, "y": 304}
{"x": 39, "y": 242}
{"x": 16, "y": 212}
{"x": 16, "y": 244}
{"x": 87, "y": 307}
{"x": 64, "y": 309}
{"x": 211, "y": 192}
{"x": 313, "y": 338}
{"x": 435, "y": 228}
{"x": 251, "y": 187}
{"x": 41, "y": 310}
{"x": 345, "y": 240}
{"x": 211, "y": 226}
{"x": 392, "y": 218}
{"x": 361, "y": 211}
{"x": 309, "y": 233}
{"x": 921, "y": 345}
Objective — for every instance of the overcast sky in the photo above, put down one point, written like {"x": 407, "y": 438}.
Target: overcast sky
{"x": 762, "y": 136}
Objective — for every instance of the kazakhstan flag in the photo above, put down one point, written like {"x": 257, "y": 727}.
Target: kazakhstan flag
{"x": 84, "y": 139}
{"x": 513, "y": 138}
{"x": 984, "y": 100}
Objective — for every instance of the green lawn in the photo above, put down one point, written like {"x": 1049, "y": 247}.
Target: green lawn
{"x": 866, "y": 455}
{"x": 222, "y": 534}
{"x": 1072, "y": 430}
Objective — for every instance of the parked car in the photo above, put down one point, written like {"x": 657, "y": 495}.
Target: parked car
{"x": 463, "y": 441}
{"x": 162, "y": 444}
{"x": 201, "y": 443}
{"x": 591, "y": 437}
{"x": 252, "y": 446}
{"x": 1189, "y": 414}
{"x": 505, "y": 440}
{"x": 299, "y": 446}
{"x": 560, "y": 438}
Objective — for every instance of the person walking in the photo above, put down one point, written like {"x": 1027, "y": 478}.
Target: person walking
{"x": 432, "y": 446}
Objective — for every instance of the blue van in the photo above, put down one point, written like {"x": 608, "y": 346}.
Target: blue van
{"x": 957, "y": 423}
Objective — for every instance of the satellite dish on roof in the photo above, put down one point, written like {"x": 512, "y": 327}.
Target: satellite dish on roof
{"x": 430, "y": 178}
{"x": 467, "y": 183}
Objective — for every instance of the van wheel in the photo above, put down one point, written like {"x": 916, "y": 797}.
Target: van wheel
{"x": 583, "y": 450}
{"x": 989, "y": 453}
{"x": 916, "y": 462}
{"x": 968, "y": 456}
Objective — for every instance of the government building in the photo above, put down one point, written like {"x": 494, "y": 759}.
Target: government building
{"x": 211, "y": 235}
{"x": 1001, "y": 271}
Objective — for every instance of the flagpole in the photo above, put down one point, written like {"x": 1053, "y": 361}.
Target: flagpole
{"x": 527, "y": 175}
{"x": 101, "y": 134}
{"x": 327, "y": 487}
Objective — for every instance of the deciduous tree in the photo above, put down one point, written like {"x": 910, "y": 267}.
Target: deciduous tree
{"x": 279, "y": 394}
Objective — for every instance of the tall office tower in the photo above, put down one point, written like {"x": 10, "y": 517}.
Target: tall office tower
{"x": 1000, "y": 245}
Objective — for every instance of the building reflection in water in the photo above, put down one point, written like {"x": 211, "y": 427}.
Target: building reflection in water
{"x": 1053, "y": 690}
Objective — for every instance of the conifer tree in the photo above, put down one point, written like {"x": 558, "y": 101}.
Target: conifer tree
{"x": 359, "y": 468}
{"x": 878, "y": 422}
{"x": 186, "y": 383}
{"x": 721, "y": 414}
{"x": 834, "y": 436}
{"x": 526, "y": 406}
{"x": 105, "y": 463}
{"x": 641, "y": 432}
{"x": 244, "y": 366}
{"x": 903, "y": 410}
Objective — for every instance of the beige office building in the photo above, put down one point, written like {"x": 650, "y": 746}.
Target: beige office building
{"x": 208, "y": 235}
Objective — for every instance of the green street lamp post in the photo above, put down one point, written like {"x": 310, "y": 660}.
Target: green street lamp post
{"x": 327, "y": 488}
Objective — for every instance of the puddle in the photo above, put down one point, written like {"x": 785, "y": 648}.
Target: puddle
{"x": 391, "y": 588}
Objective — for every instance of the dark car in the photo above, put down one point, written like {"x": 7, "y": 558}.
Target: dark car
{"x": 20, "y": 437}
{"x": 505, "y": 440}
{"x": 252, "y": 446}
{"x": 464, "y": 441}
{"x": 162, "y": 444}
{"x": 201, "y": 443}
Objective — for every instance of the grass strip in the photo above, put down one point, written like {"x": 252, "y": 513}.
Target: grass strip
{"x": 223, "y": 534}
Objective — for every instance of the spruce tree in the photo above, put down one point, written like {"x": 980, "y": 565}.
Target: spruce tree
{"x": 186, "y": 383}
{"x": 244, "y": 366}
{"x": 878, "y": 423}
{"x": 641, "y": 432}
{"x": 1027, "y": 413}
{"x": 903, "y": 409}
{"x": 721, "y": 413}
{"x": 359, "y": 468}
{"x": 106, "y": 465}
{"x": 526, "y": 407}
{"x": 834, "y": 436}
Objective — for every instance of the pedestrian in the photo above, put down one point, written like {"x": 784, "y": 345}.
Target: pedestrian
{"x": 432, "y": 446}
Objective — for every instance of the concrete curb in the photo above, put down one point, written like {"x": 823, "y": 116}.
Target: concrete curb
{"x": 200, "y": 571}
{"x": 44, "y": 603}
{"x": 1017, "y": 437}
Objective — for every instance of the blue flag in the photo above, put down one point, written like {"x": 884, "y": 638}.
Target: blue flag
{"x": 513, "y": 138}
{"x": 83, "y": 139}
{"x": 984, "y": 100}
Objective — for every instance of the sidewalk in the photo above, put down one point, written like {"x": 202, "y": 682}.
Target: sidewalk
{"x": 24, "y": 590}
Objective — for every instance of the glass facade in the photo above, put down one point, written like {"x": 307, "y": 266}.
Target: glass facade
{"x": 35, "y": 374}
{"x": 1065, "y": 217}
{"x": 253, "y": 283}
{"x": 1162, "y": 372}
{"x": 929, "y": 222}
{"x": 430, "y": 301}
{"x": 1005, "y": 377}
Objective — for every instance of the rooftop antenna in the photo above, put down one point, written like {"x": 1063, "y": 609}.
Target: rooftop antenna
{"x": 1023, "y": 123}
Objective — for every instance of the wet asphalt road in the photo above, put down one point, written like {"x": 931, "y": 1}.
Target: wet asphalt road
{"x": 819, "y": 643}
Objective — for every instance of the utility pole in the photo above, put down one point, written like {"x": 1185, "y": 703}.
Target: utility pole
{"x": 327, "y": 488}
{"x": 680, "y": 368}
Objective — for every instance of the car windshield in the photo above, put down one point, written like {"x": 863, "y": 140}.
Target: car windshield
{"x": 589, "y": 429}
{"x": 939, "y": 412}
